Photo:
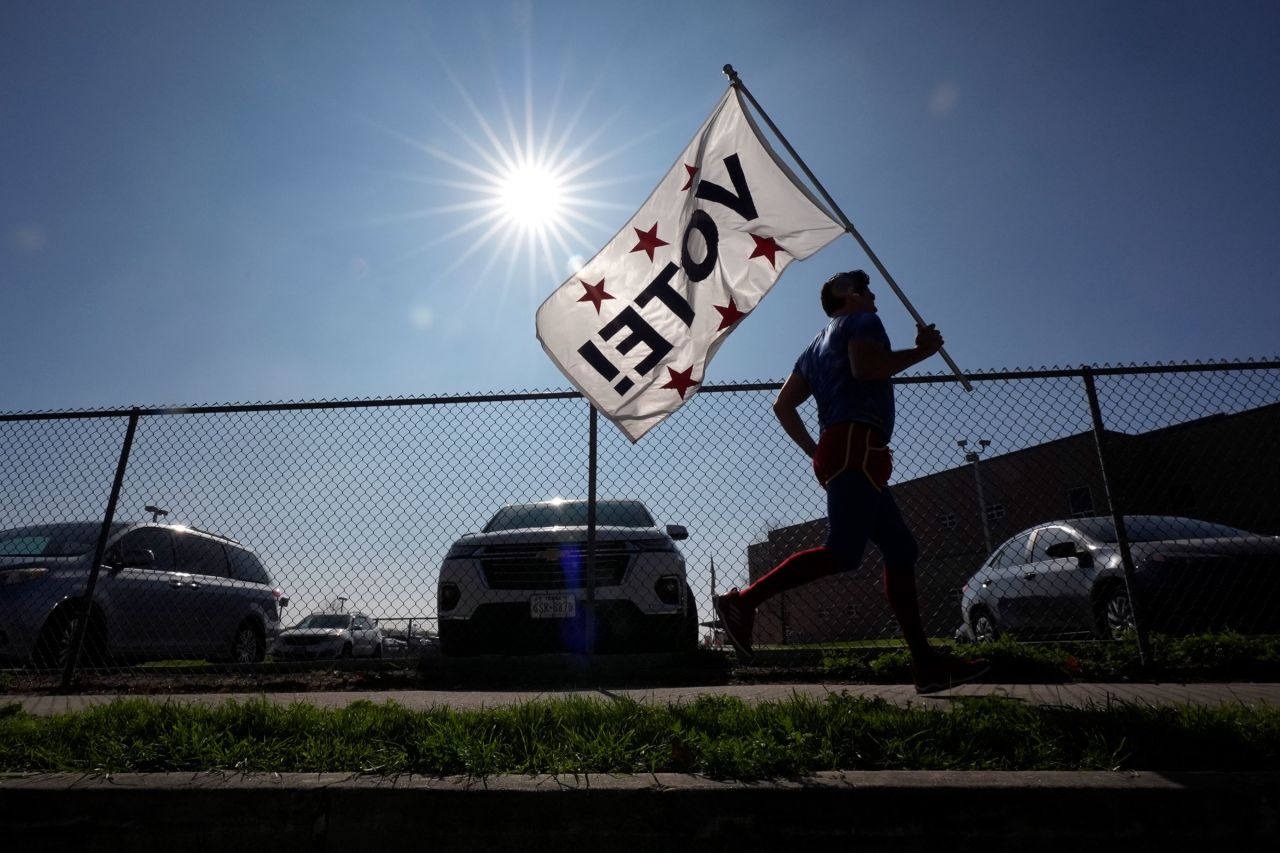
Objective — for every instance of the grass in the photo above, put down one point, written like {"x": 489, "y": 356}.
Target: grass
{"x": 717, "y": 736}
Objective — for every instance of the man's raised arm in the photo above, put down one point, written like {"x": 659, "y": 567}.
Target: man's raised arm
{"x": 870, "y": 361}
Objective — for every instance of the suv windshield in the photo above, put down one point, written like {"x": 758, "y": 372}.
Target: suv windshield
{"x": 1155, "y": 528}
{"x": 325, "y": 620}
{"x": 52, "y": 540}
{"x": 570, "y": 514}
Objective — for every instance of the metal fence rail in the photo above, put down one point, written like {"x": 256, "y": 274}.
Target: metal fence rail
{"x": 219, "y": 515}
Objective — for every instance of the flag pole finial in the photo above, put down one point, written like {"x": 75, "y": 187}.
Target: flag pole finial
{"x": 730, "y": 73}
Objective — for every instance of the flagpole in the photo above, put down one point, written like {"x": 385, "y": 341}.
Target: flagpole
{"x": 736, "y": 82}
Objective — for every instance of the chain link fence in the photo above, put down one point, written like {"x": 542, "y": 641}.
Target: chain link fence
{"x": 237, "y": 534}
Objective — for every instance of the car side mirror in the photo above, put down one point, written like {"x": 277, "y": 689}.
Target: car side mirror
{"x": 284, "y": 602}
{"x": 677, "y": 531}
{"x": 136, "y": 558}
{"x": 1067, "y": 551}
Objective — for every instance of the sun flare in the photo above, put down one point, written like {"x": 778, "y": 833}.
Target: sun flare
{"x": 532, "y": 197}
{"x": 524, "y": 195}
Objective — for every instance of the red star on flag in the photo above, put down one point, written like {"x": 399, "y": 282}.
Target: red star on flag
{"x": 680, "y": 380}
{"x": 648, "y": 240}
{"x": 692, "y": 170}
{"x": 595, "y": 293}
{"x": 729, "y": 314}
{"x": 765, "y": 248}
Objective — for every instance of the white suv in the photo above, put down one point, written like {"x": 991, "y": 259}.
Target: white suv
{"x": 330, "y": 635}
{"x": 520, "y": 585}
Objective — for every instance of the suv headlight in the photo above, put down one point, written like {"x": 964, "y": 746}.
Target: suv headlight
{"x": 462, "y": 550}
{"x": 667, "y": 588}
{"x": 15, "y": 576}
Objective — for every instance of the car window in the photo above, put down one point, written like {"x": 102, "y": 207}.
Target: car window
{"x": 325, "y": 621}
{"x": 201, "y": 556}
{"x": 30, "y": 546}
{"x": 362, "y": 624}
{"x": 1047, "y": 536}
{"x": 569, "y": 514}
{"x": 71, "y": 539}
{"x": 157, "y": 540}
{"x": 245, "y": 566}
{"x": 1012, "y": 554}
{"x": 1155, "y": 528}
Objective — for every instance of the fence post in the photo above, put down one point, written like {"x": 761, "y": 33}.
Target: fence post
{"x": 589, "y": 622}
{"x": 1115, "y": 501}
{"x": 82, "y": 624}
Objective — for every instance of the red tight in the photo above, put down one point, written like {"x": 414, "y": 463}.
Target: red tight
{"x": 804, "y": 567}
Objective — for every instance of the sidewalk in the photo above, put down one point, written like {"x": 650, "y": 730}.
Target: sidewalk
{"x": 1075, "y": 695}
{"x": 873, "y": 810}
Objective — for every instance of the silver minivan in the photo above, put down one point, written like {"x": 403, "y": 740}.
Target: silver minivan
{"x": 164, "y": 591}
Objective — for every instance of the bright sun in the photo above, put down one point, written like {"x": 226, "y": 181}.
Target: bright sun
{"x": 527, "y": 192}
{"x": 532, "y": 196}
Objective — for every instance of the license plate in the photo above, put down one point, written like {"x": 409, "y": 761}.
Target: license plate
{"x": 559, "y": 606}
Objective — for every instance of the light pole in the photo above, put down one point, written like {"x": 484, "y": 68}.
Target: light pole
{"x": 973, "y": 457}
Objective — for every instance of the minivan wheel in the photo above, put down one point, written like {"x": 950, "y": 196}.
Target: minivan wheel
{"x": 54, "y": 646}
{"x": 248, "y": 645}
{"x": 984, "y": 625}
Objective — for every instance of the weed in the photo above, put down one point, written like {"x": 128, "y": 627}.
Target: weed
{"x": 719, "y": 736}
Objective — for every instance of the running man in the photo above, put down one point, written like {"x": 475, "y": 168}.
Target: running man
{"x": 847, "y": 370}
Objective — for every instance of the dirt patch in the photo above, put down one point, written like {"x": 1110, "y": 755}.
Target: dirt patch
{"x": 142, "y": 682}
{"x": 536, "y": 672}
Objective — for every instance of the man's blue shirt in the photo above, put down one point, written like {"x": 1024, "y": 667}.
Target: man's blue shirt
{"x": 825, "y": 366}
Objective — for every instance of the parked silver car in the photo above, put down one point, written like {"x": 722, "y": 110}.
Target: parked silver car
{"x": 163, "y": 591}
{"x": 330, "y": 635}
{"x": 1066, "y": 576}
{"x": 520, "y": 585}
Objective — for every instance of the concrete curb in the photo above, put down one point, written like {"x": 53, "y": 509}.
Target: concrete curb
{"x": 879, "y": 810}
{"x": 887, "y": 810}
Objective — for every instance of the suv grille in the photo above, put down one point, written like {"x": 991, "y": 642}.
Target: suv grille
{"x": 305, "y": 641}
{"x": 552, "y": 565}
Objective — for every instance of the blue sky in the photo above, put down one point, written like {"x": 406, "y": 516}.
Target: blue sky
{"x": 206, "y": 203}
{"x": 239, "y": 202}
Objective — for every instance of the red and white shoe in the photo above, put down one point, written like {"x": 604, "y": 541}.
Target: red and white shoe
{"x": 946, "y": 671}
{"x": 737, "y": 621}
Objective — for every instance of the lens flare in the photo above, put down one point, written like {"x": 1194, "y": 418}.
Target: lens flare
{"x": 514, "y": 188}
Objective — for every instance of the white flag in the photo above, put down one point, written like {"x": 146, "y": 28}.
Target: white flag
{"x": 636, "y": 327}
